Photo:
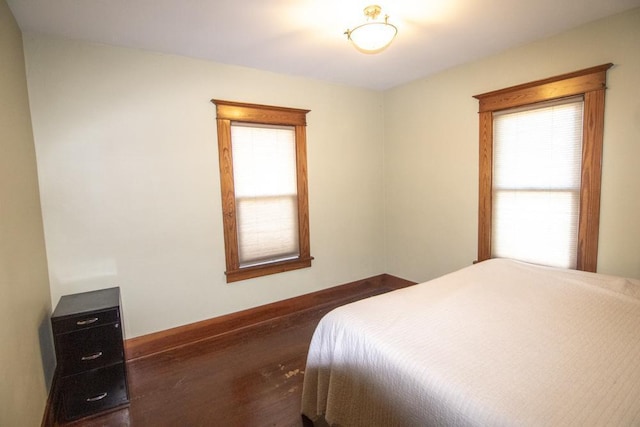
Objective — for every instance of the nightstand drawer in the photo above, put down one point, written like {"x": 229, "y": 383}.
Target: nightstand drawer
{"x": 83, "y": 321}
{"x": 90, "y": 392}
{"x": 89, "y": 348}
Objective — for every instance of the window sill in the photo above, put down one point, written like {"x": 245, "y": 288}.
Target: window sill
{"x": 266, "y": 269}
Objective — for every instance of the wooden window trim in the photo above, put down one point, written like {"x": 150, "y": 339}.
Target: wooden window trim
{"x": 591, "y": 84}
{"x": 226, "y": 113}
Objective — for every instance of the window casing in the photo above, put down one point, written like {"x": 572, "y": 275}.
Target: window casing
{"x": 590, "y": 84}
{"x": 263, "y": 179}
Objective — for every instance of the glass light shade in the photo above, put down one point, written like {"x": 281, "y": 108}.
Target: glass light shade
{"x": 372, "y": 37}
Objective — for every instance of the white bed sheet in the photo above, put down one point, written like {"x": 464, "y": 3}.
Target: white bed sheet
{"x": 500, "y": 343}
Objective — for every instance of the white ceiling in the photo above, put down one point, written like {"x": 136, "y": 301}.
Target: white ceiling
{"x": 305, "y": 37}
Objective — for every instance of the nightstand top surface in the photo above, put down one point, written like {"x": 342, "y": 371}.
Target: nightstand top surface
{"x": 86, "y": 302}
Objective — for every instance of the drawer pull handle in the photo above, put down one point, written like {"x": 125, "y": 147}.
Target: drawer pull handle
{"x": 96, "y": 398}
{"x": 92, "y": 357}
{"x": 87, "y": 322}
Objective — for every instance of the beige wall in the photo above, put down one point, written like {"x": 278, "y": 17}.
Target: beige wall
{"x": 128, "y": 166}
{"x": 431, "y": 149}
{"x": 25, "y": 349}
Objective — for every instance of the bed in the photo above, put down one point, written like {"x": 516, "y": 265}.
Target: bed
{"x": 499, "y": 343}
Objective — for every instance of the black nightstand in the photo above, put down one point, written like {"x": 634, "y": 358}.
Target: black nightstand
{"x": 92, "y": 374}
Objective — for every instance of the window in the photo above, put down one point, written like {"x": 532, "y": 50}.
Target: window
{"x": 263, "y": 178}
{"x": 537, "y": 155}
{"x": 540, "y": 168}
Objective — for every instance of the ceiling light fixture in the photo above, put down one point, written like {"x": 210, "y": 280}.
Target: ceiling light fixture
{"x": 373, "y": 36}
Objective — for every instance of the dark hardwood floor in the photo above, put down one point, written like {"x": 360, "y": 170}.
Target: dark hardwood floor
{"x": 252, "y": 377}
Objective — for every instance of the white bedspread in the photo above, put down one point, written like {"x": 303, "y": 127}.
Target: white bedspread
{"x": 500, "y": 343}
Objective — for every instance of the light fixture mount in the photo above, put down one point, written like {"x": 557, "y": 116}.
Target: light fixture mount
{"x": 372, "y": 11}
{"x": 373, "y": 36}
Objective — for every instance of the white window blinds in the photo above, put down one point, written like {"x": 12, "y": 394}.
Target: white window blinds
{"x": 536, "y": 183}
{"x": 264, "y": 173}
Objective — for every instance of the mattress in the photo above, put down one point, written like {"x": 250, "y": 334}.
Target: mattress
{"x": 500, "y": 343}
